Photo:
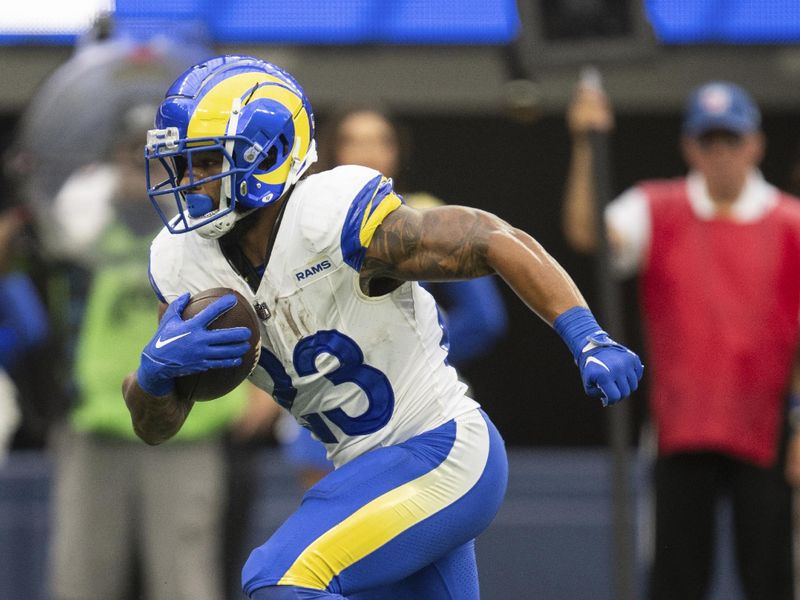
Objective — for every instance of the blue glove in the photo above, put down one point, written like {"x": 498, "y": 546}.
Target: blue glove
{"x": 183, "y": 347}
{"x": 609, "y": 370}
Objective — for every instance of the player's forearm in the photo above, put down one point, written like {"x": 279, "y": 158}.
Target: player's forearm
{"x": 155, "y": 418}
{"x": 532, "y": 273}
{"x": 579, "y": 210}
{"x": 456, "y": 242}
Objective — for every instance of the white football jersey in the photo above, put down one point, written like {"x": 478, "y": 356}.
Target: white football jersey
{"x": 360, "y": 372}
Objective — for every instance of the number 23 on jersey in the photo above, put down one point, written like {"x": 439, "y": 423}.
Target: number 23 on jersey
{"x": 351, "y": 369}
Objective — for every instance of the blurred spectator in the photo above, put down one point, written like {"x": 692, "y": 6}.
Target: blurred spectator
{"x": 793, "y": 466}
{"x": 718, "y": 253}
{"x": 120, "y": 506}
{"x": 472, "y": 311}
{"x": 23, "y": 323}
{"x": 251, "y": 431}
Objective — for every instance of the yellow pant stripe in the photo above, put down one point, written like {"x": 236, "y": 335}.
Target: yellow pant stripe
{"x": 389, "y": 515}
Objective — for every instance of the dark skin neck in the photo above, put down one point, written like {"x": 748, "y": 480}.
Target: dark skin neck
{"x": 258, "y": 241}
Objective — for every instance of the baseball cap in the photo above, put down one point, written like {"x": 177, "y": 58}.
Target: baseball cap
{"x": 720, "y": 105}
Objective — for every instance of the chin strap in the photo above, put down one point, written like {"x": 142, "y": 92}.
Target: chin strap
{"x": 224, "y": 224}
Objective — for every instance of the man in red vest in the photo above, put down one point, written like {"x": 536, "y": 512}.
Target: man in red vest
{"x": 718, "y": 254}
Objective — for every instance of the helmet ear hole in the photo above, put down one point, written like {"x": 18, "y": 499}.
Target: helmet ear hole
{"x": 269, "y": 160}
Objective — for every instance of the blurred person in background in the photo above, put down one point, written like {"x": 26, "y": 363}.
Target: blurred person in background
{"x": 793, "y": 466}
{"x": 473, "y": 315}
{"x": 67, "y": 124}
{"x": 24, "y": 324}
{"x": 253, "y": 430}
{"x": 718, "y": 254}
{"x": 120, "y": 507}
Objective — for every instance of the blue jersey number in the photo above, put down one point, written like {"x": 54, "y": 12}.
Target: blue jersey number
{"x": 283, "y": 390}
{"x": 351, "y": 369}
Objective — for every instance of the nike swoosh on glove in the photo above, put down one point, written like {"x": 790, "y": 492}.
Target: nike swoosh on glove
{"x": 608, "y": 370}
{"x": 183, "y": 347}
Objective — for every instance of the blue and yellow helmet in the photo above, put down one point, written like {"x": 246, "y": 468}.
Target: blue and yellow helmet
{"x": 255, "y": 114}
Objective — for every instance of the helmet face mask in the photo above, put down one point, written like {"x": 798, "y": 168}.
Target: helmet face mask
{"x": 250, "y": 112}
{"x": 170, "y": 196}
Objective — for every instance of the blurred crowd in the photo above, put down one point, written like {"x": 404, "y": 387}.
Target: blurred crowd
{"x": 717, "y": 254}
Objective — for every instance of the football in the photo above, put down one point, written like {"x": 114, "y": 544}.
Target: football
{"x": 215, "y": 383}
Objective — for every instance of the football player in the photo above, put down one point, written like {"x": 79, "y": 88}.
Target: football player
{"x": 351, "y": 344}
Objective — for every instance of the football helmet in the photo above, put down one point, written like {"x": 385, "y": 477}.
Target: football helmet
{"x": 255, "y": 115}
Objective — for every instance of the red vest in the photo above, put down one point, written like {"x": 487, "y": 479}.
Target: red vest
{"x": 721, "y": 301}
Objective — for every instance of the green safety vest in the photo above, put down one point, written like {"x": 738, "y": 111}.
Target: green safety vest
{"x": 119, "y": 320}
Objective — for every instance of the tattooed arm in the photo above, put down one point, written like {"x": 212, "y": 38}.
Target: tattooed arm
{"x": 456, "y": 242}
{"x": 155, "y": 418}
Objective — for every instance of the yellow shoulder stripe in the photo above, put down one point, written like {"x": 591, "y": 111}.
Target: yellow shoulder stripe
{"x": 375, "y": 216}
